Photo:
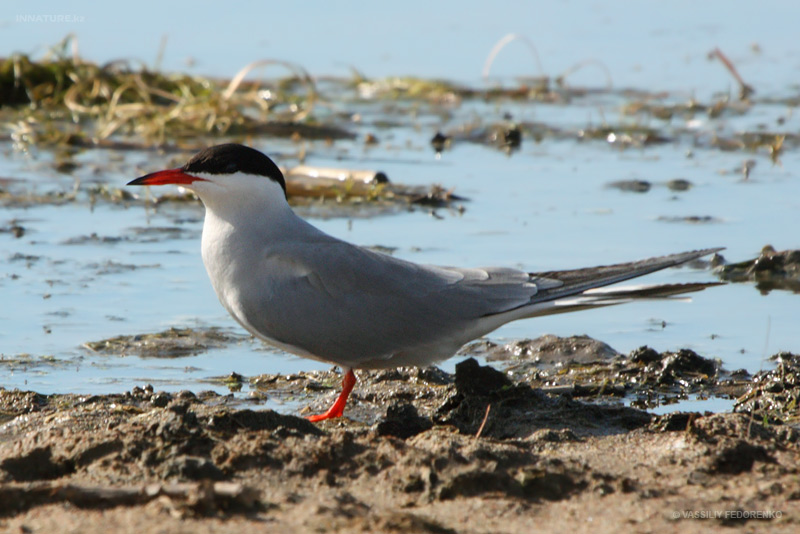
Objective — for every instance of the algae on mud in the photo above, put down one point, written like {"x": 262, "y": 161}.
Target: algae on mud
{"x": 65, "y": 101}
{"x": 306, "y": 185}
{"x": 774, "y": 396}
{"x": 576, "y": 367}
{"x": 72, "y": 102}
{"x": 172, "y": 343}
{"x": 771, "y": 270}
{"x": 582, "y": 367}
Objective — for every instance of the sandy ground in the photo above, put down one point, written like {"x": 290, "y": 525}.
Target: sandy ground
{"x": 421, "y": 451}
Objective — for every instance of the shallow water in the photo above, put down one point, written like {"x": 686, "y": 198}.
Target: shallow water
{"x": 546, "y": 206}
{"x": 71, "y": 287}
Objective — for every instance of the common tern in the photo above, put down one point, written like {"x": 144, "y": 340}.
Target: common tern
{"x": 319, "y": 297}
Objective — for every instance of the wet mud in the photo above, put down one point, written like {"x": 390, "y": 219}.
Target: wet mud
{"x": 421, "y": 450}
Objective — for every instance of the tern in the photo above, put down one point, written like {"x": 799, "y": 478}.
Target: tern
{"x": 319, "y": 297}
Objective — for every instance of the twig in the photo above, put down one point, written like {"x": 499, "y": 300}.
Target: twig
{"x": 487, "y": 66}
{"x": 745, "y": 90}
{"x": 483, "y": 423}
{"x": 561, "y": 79}
{"x": 298, "y": 71}
{"x": 761, "y": 366}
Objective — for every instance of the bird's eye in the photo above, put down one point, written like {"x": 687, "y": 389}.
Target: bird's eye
{"x": 230, "y": 168}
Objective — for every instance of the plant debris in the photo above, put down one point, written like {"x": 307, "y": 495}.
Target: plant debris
{"x": 771, "y": 270}
{"x": 70, "y": 103}
{"x": 171, "y": 343}
{"x": 580, "y": 366}
{"x": 774, "y": 395}
{"x": 66, "y": 101}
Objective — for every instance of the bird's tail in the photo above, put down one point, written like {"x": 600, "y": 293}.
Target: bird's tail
{"x": 579, "y": 289}
{"x": 610, "y": 296}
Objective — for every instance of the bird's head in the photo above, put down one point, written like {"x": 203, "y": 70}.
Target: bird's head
{"x": 223, "y": 172}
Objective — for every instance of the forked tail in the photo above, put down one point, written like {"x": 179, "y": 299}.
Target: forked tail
{"x": 586, "y": 288}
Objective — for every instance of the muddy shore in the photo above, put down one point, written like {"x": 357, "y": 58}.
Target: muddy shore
{"x": 420, "y": 451}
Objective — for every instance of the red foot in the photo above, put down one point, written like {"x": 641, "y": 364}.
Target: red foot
{"x": 337, "y": 409}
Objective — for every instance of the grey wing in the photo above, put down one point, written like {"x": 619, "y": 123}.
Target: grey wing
{"x": 345, "y": 304}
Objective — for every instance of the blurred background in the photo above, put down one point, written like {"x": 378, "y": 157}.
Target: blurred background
{"x": 640, "y": 44}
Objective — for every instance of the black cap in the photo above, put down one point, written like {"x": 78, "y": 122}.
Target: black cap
{"x": 229, "y": 158}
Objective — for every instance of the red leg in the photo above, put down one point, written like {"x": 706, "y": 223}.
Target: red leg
{"x": 337, "y": 409}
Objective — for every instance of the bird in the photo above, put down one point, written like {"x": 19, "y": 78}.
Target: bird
{"x": 317, "y": 296}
